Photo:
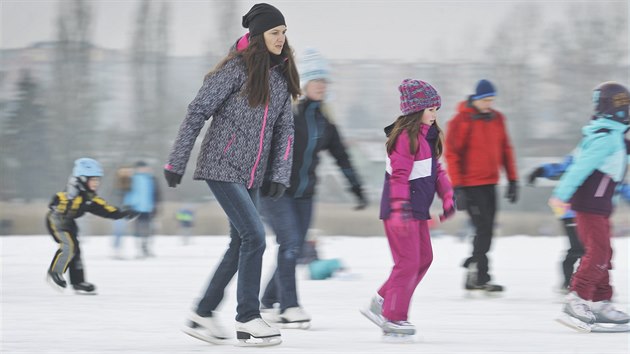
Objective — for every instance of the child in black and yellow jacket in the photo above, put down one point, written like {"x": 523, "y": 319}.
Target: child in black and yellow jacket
{"x": 78, "y": 198}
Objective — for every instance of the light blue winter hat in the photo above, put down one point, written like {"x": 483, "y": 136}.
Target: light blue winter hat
{"x": 313, "y": 67}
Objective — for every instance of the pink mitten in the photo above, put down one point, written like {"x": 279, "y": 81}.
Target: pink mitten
{"x": 449, "y": 209}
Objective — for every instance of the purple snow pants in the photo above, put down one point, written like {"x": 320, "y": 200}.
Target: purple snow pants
{"x": 411, "y": 249}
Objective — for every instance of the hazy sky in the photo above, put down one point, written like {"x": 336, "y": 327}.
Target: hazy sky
{"x": 404, "y": 30}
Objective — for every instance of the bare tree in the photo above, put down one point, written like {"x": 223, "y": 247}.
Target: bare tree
{"x": 71, "y": 101}
{"x": 149, "y": 70}
{"x": 589, "y": 48}
{"x": 25, "y": 146}
{"x": 512, "y": 54}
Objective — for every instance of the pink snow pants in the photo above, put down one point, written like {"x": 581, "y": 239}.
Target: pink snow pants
{"x": 411, "y": 249}
{"x": 591, "y": 281}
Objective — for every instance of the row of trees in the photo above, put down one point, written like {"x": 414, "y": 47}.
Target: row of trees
{"x": 57, "y": 114}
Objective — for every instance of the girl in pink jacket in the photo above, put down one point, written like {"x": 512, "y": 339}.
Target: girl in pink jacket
{"x": 413, "y": 176}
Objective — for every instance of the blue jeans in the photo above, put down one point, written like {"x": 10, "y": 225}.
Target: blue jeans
{"x": 290, "y": 219}
{"x": 245, "y": 252}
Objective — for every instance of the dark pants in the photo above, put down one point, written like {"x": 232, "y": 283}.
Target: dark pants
{"x": 591, "y": 281}
{"x": 481, "y": 204}
{"x": 574, "y": 252}
{"x": 290, "y": 219}
{"x": 68, "y": 256}
{"x": 245, "y": 252}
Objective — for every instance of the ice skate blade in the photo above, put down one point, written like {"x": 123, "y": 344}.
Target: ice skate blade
{"x": 293, "y": 325}
{"x": 482, "y": 294}
{"x": 247, "y": 340}
{"x": 574, "y": 323}
{"x": 398, "y": 338}
{"x": 88, "y": 293}
{"x": 372, "y": 317}
{"x": 610, "y": 328}
{"x": 196, "y": 333}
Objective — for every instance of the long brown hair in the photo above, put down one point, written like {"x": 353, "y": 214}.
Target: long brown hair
{"x": 411, "y": 123}
{"x": 257, "y": 62}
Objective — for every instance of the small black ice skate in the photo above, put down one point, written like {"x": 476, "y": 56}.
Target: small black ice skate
{"x": 56, "y": 280}
{"x": 84, "y": 288}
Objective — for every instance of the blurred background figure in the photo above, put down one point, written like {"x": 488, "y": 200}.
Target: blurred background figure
{"x": 477, "y": 147}
{"x": 143, "y": 198}
{"x": 290, "y": 215}
{"x": 122, "y": 186}
{"x": 554, "y": 171}
{"x": 185, "y": 217}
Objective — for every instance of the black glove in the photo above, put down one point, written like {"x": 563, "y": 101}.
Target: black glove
{"x": 459, "y": 195}
{"x": 535, "y": 174}
{"x": 130, "y": 214}
{"x": 512, "y": 192}
{"x": 362, "y": 202}
{"x": 172, "y": 178}
{"x": 275, "y": 190}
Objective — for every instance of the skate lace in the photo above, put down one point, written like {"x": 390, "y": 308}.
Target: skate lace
{"x": 581, "y": 308}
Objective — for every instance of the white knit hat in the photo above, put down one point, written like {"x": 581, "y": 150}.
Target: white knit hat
{"x": 313, "y": 67}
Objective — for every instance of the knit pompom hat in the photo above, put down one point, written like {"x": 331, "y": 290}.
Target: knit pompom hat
{"x": 416, "y": 95}
{"x": 313, "y": 67}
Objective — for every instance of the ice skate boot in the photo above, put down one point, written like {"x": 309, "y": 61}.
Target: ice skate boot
{"x": 294, "y": 317}
{"x": 84, "y": 288}
{"x": 56, "y": 280}
{"x": 608, "y": 318}
{"x": 374, "y": 311}
{"x": 576, "y": 313}
{"x": 207, "y": 329}
{"x": 472, "y": 283}
{"x": 257, "y": 333}
{"x": 605, "y": 312}
{"x": 398, "y": 331}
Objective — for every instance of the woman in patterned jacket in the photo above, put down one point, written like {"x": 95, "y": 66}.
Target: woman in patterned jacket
{"x": 248, "y": 96}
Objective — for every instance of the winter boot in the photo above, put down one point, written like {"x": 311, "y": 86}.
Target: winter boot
{"x": 205, "y": 328}
{"x": 84, "y": 288}
{"x": 56, "y": 280}
{"x": 605, "y": 312}
{"x": 579, "y": 308}
{"x": 374, "y": 311}
{"x": 257, "y": 332}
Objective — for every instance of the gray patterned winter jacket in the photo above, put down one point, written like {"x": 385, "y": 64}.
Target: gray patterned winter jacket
{"x": 241, "y": 142}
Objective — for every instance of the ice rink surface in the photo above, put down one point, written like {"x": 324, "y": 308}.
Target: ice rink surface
{"x": 142, "y": 303}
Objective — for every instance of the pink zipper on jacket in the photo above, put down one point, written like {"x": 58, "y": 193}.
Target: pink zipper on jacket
{"x": 260, "y": 147}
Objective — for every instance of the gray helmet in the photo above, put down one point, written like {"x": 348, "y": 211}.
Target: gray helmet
{"x": 611, "y": 101}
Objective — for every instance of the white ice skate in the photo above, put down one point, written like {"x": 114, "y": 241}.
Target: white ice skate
{"x": 294, "y": 318}
{"x": 207, "y": 329}
{"x": 576, "y": 313}
{"x": 608, "y": 318}
{"x": 374, "y": 311}
{"x": 257, "y": 333}
{"x": 398, "y": 332}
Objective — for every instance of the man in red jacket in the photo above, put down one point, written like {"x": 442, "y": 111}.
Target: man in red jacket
{"x": 477, "y": 146}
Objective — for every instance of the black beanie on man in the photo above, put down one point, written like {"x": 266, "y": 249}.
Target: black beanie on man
{"x": 262, "y": 17}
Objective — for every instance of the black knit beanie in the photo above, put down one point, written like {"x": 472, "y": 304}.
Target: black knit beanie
{"x": 262, "y": 17}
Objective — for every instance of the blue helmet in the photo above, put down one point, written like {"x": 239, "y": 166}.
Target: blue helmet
{"x": 87, "y": 167}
